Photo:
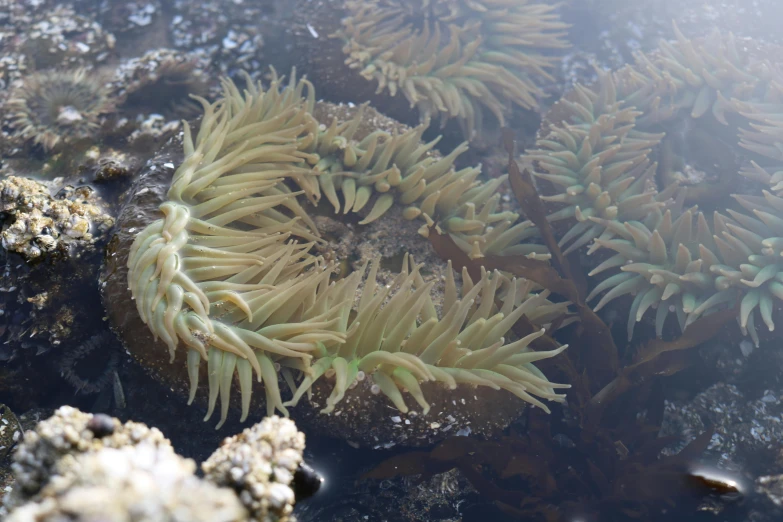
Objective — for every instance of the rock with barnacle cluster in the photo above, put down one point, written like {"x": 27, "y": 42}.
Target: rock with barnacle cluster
{"x": 81, "y": 467}
{"x": 131, "y": 484}
{"x": 40, "y": 223}
{"x": 259, "y": 464}
{"x": 70, "y": 432}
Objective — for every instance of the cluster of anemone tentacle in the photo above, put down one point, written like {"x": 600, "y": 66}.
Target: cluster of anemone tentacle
{"x": 454, "y": 58}
{"x": 594, "y": 157}
{"x": 52, "y": 108}
{"x": 228, "y": 270}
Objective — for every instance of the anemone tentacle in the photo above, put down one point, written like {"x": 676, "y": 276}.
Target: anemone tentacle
{"x": 52, "y": 108}
{"x": 598, "y": 161}
{"x": 666, "y": 268}
{"x": 454, "y": 58}
{"x": 665, "y": 255}
{"x": 228, "y": 270}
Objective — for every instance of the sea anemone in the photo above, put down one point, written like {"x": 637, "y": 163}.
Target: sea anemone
{"x": 764, "y": 138}
{"x": 227, "y": 273}
{"x": 161, "y": 82}
{"x": 452, "y": 59}
{"x": 751, "y": 269}
{"x": 666, "y": 268}
{"x": 57, "y": 107}
{"x": 594, "y": 152}
{"x": 90, "y": 367}
{"x": 597, "y": 163}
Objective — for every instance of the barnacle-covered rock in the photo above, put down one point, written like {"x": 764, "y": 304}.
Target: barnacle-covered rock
{"x": 448, "y": 59}
{"x": 58, "y": 35}
{"x": 38, "y": 224}
{"x": 259, "y": 464}
{"x": 72, "y": 432}
{"x": 83, "y": 467}
{"x": 228, "y": 272}
{"x": 130, "y": 484}
{"x": 130, "y": 18}
{"x": 229, "y": 36}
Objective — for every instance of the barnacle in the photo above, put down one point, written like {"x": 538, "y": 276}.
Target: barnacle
{"x": 595, "y": 153}
{"x": 454, "y": 58}
{"x": 55, "y": 107}
{"x": 228, "y": 271}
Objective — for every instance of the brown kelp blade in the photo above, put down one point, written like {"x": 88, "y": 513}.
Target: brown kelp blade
{"x": 660, "y": 358}
{"x": 527, "y": 195}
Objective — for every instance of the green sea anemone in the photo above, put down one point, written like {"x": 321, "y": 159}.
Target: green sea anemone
{"x": 666, "y": 268}
{"x": 752, "y": 266}
{"x": 453, "y": 59}
{"x": 229, "y": 273}
{"x": 595, "y": 151}
{"x": 161, "y": 82}
{"x": 56, "y": 107}
{"x": 598, "y": 163}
